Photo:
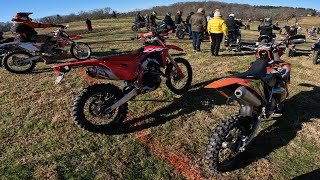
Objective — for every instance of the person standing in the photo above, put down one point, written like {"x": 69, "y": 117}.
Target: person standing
{"x": 198, "y": 25}
{"x": 216, "y": 28}
{"x": 89, "y": 25}
{"x": 189, "y": 25}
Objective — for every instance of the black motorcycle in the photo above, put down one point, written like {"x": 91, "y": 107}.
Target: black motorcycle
{"x": 233, "y": 38}
{"x": 137, "y": 25}
{"x": 315, "y": 55}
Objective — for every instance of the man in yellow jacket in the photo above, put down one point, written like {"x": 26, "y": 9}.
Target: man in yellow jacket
{"x": 216, "y": 29}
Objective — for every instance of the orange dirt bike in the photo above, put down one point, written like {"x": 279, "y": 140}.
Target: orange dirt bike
{"x": 261, "y": 92}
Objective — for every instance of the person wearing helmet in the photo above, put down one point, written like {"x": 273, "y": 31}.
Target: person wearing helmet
{"x": 25, "y": 27}
{"x": 139, "y": 18}
{"x": 178, "y": 19}
{"x": 233, "y": 25}
{"x": 266, "y": 28}
{"x": 153, "y": 18}
{"x": 189, "y": 25}
{"x": 169, "y": 22}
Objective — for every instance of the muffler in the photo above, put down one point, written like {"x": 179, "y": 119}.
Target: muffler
{"x": 34, "y": 58}
{"x": 245, "y": 95}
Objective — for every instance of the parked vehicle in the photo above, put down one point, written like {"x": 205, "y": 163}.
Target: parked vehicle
{"x": 103, "y": 107}
{"x": 181, "y": 31}
{"x": 316, "y": 55}
{"x": 138, "y": 25}
{"x": 261, "y": 92}
{"x": 27, "y": 54}
{"x": 291, "y": 42}
{"x": 233, "y": 38}
{"x": 5, "y": 49}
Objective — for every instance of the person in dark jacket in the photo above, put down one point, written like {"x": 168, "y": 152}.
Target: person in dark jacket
{"x": 266, "y": 28}
{"x": 198, "y": 26}
{"x": 89, "y": 25}
{"x": 138, "y": 18}
{"x": 169, "y": 22}
{"x": 178, "y": 19}
{"x": 153, "y": 18}
{"x": 1, "y": 36}
{"x": 189, "y": 25}
{"x": 233, "y": 25}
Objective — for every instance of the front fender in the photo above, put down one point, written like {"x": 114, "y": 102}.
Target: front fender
{"x": 174, "y": 47}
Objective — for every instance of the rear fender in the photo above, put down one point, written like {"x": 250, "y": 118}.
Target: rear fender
{"x": 227, "y": 86}
{"x": 62, "y": 68}
{"x": 174, "y": 47}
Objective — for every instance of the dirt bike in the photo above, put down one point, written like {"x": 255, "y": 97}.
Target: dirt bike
{"x": 290, "y": 43}
{"x": 5, "y": 49}
{"x": 181, "y": 31}
{"x": 233, "y": 38}
{"x": 138, "y": 25}
{"x": 315, "y": 55}
{"x": 103, "y": 107}
{"x": 27, "y": 54}
{"x": 261, "y": 92}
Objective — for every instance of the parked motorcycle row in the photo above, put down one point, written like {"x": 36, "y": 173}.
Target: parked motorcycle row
{"x": 261, "y": 91}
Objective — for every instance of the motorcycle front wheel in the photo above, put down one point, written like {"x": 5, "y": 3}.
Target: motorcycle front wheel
{"x": 91, "y": 108}
{"x": 174, "y": 81}
{"x": 81, "y": 51}
{"x": 15, "y": 62}
{"x": 180, "y": 34}
{"x": 134, "y": 28}
{"x": 224, "y": 142}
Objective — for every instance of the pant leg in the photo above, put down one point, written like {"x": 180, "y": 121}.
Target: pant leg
{"x": 213, "y": 43}
{"x": 194, "y": 40}
{"x": 218, "y": 41}
{"x": 190, "y": 32}
{"x": 200, "y": 35}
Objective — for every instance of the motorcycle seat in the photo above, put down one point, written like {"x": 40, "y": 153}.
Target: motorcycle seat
{"x": 257, "y": 70}
{"x": 124, "y": 57}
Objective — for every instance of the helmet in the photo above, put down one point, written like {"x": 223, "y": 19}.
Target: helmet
{"x": 231, "y": 15}
{"x": 168, "y": 14}
{"x": 267, "y": 20}
{"x": 154, "y": 13}
{"x": 179, "y": 12}
{"x": 21, "y": 17}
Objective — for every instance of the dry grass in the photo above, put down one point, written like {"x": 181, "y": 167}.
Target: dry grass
{"x": 39, "y": 139}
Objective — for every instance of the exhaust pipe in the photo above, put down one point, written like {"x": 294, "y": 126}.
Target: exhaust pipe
{"x": 245, "y": 95}
{"x": 34, "y": 58}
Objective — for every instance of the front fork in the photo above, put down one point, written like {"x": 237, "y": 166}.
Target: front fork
{"x": 175, "y": 65}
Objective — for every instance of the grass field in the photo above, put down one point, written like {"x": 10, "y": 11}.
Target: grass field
{"x": 165, "y": 134}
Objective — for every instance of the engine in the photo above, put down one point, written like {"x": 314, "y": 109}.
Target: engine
{"x": 150, "y": 76}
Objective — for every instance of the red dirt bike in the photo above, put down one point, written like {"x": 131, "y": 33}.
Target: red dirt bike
{"x": 103, "y": 107}
{"x": 45, "y": 47}
{"x": 261, "y": 92}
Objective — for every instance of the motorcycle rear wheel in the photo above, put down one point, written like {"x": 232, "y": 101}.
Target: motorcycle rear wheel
{"x": 174, "y": 76}
{"x": 12, "y": 63}
{"x": 90, "y": 108}
{"x": 229, "y": 131}
{"x": 80, "y": 51}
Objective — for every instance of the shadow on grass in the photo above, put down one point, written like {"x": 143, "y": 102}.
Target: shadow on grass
{"x": 311, "y": 175}
{"x": 194, "y": 100}
{"x": 300, "y": 108}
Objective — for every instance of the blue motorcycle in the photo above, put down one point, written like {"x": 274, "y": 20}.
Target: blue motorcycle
{"x": 316, "y": 55}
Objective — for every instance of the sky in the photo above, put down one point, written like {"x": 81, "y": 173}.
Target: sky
{"x": 42, "y": 8}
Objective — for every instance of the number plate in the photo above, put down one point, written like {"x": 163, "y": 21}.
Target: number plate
{"x": 59, "y": 79}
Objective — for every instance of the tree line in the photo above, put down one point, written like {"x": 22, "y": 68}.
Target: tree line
{"x": 242, "y": 11}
